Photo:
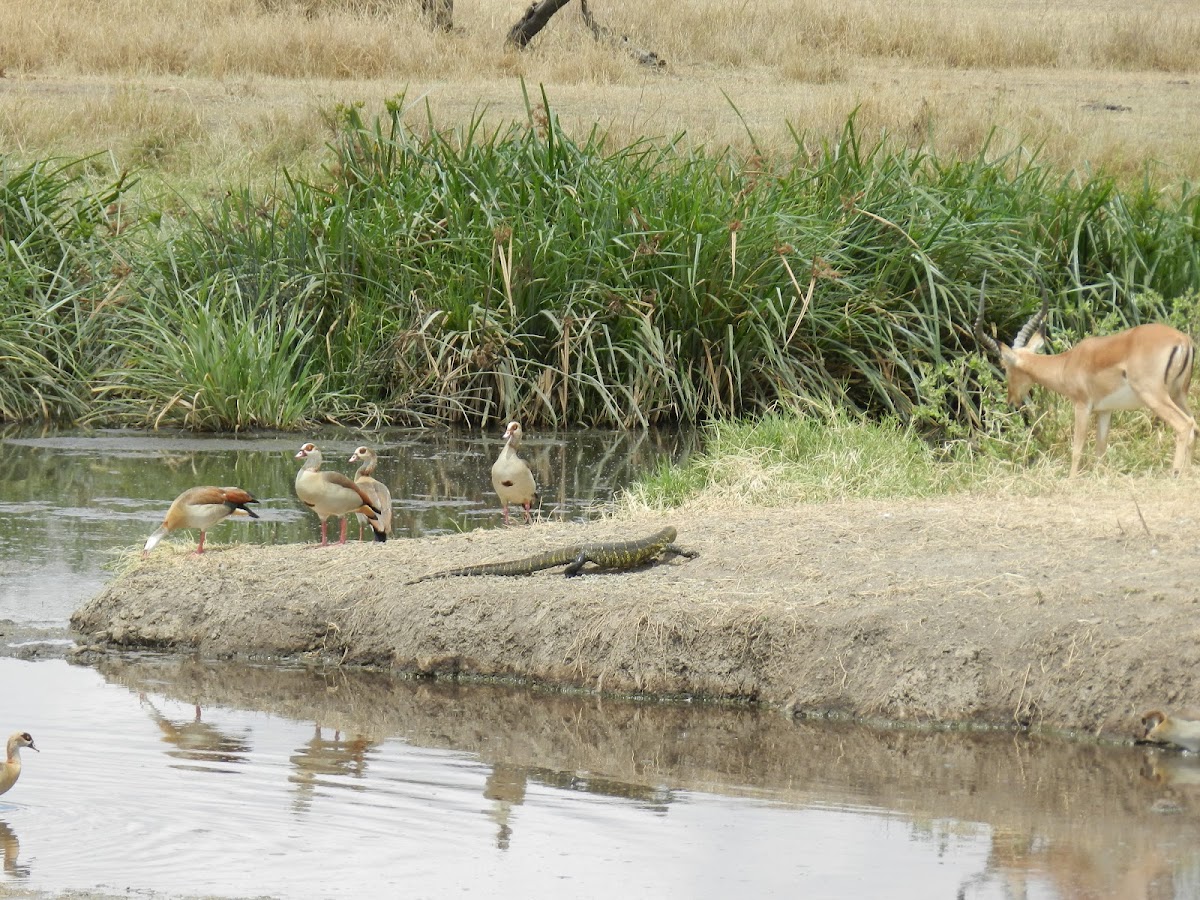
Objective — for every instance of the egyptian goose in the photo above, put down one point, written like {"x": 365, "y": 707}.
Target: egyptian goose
{"x": 1157, "y": 726}
{"x": 202, "y": 507}
{"x": 511, "y": 476}
{"x": 12, "y": 766}
{"x": 376, "y": 490}
{"x": 331, "y": 494}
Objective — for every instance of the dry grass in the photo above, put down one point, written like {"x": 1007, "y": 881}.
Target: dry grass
{"x": 209, "y": 88}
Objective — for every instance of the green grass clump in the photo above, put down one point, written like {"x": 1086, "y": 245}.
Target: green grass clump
{"x": 524, "y": 274}
{"x": 808, "y": 456}
{"x": 471, "y": 275}
{"x": 219, "y": 359}
{"x": 57, "y": 267}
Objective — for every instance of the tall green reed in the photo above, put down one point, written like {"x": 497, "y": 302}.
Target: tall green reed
{"x": 473, "y": 274}
{"x": 564, "y": 281}
{"x": 219, "y": 358}
{"x": 58, "y": 270}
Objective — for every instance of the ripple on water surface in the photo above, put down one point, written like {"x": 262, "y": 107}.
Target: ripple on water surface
{"x": 436, "y": 790}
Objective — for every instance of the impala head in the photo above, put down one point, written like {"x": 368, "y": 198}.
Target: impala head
{"x": 306, "y": 451}
{"x": 1028, "y": 341}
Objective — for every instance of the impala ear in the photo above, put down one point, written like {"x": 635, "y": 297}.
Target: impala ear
{"x": 1035, "y": 342}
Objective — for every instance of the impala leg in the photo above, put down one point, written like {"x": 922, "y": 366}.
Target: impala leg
{"x": 1182, "y": 423}
{"x": 1180, "y": 398}
{"x": 1082, "y": 414}
{"x": 1185, "y": 440}
{"x": 1103, "y": 420}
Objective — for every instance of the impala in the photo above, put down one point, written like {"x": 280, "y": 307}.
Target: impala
{"x": 1148, "y": 366}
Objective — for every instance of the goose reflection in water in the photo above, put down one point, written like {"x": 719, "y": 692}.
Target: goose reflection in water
{"x": 506, "y": 785}
{"x": 321, "y": 757}
{"x": 199, "y": 741}
{"x": 1170, "y": 769}
{"x": 12, "y": 848}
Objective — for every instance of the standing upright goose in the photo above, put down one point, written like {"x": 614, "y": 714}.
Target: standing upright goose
{"x": 331, "y": 494}
{"x": 202, "y": 508}
{"x": 11, "y": 770}
{"x": 376, "y": 490}
{"x": 511, "y": 476}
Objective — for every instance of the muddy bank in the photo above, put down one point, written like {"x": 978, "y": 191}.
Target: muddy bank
{"x": 1072, "y": 612}
{"x": 22, "y": 641}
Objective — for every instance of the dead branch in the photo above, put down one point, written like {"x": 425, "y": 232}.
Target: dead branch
{"x": 608, "y": 36}
{"x": 534, "y": 20}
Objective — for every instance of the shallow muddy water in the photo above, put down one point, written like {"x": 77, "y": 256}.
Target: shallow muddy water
{"x": 168, "y": 776}
{"x": 70, "y": 502}
{"x": 177, "y": 776}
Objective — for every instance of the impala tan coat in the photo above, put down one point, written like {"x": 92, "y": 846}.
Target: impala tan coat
{"x": 1148, "y": 366}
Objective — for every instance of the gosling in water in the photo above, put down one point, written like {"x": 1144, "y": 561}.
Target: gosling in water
{"x": 12, "y": 766}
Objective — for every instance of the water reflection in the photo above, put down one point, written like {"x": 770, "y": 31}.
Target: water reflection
{"x": 69, "y": 500}
{"x": 196, "y": 740}
{"x": 507, "y": 784}
{"x": 12, "y": 851}
{"x": 1051, "y": 818}
{"x": 321, "y": 756}
{"x": 1176, "y": 772}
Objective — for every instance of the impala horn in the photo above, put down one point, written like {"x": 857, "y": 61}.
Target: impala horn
{"x": 1034, "y": 323}
{"x": 985, "y": 340}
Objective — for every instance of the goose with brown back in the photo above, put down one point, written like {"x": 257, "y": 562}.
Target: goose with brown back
{"x": 376, "y": 490}
{"x": 11, "y": 770}
{"x": 1180, "y": 730}
{"x": 330, "y": 494}
{"x": 202, "y": 508}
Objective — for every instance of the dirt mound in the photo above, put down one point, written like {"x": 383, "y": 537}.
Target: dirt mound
{"x": 1076, "y": 611}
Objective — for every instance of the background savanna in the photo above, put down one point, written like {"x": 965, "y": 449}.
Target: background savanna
{"x": 292, "y": 212}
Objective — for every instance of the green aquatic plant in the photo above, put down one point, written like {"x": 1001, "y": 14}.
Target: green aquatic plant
{"x": 59, "y": 267}
{"x": 475, "y": 274}
{"x": 220, "y": 359}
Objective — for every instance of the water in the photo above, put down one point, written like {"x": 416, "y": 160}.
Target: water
{"x": 167, "y": 776}
{"x": 70, "y": 503}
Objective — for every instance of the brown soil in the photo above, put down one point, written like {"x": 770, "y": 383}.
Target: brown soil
{"x": 1074, "y": 612}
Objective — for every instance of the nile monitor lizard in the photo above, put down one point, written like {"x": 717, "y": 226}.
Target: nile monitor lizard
{"x": 613, "y": 555}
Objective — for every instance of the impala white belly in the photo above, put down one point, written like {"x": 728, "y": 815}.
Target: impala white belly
{"x": 1122, "y": 398}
